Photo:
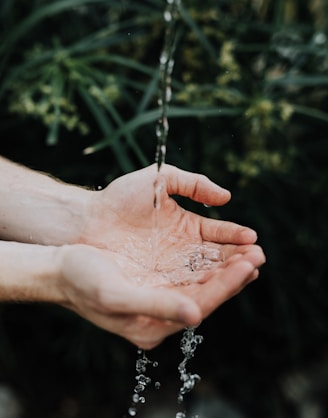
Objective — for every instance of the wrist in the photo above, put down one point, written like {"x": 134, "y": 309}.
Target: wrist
{"x": 49, "y": 214}
{"x": 96, "y": 209}
{"x": 73, "y": 208}
{"x": 36, "y": 208}
{"x": 30, "y": 273}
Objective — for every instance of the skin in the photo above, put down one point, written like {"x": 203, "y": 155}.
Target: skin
{"x": 102, "y": 253}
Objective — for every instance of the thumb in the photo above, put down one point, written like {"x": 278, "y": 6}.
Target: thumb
{"x": 165, "y": 304}
{"x": 195, "y": 186}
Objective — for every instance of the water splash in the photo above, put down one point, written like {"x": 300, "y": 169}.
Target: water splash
{"x": 184, "y": 263}
{"x": 143, "y": 382}
{"x": 188, "y": 346}
{"x": 166, "y": 64}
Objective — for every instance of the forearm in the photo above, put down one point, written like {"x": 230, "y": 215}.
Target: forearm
{"x": 36, "y": 208}
{"x": 29, "y": 273}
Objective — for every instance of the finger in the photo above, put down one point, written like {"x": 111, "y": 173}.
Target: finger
{"x": 252, "y": 253}
{"x": 160, "y": 303}
{"x": 254, "y": 275}
{"x": 225, "y": 232}
{"x": 249, "y": 253}
{"x": 147, "y": 332}
{"x": 224, "y": 285}
{"x": 195, "y": 186}
{"x": 144, "y": 331}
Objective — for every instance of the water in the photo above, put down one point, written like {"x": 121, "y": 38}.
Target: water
{"x": 143, "y": 382}
{"x": 166, "y": 64}
{"x": 182, "y": 264}
{"x": 188, "y": 346}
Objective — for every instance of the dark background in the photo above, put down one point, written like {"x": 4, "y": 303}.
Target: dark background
{"x": 251, "y": 82}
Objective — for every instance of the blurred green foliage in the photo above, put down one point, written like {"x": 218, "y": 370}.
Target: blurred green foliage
{"x": 78, "y": 90}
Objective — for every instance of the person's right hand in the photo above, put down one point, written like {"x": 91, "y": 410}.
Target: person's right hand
{"x": 95, "y": 286}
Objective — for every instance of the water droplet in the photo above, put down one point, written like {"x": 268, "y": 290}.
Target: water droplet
{"x": 167, "y": 16}
{"x": 207, "y": 206}
{"x": 158, "y": 131}
{"x": 139, "y": 388}
{"x": 165, "y": 125}
{"x": 157, "y": 385}
{"x": 180, "y": 415}
{"x": 141, "y": 379}
{"x": 170, "y": 66}
{"x": 155, "y": 364}
{"x": 141, "y": 366}
{"x": 168, "y": 94}
{"x": 320, "y": 38}
{"x": 142, "y": 399}
{"x": 135, "y": 398}
{"x": 132, "y": 412}
{"x": 163, "y": 58}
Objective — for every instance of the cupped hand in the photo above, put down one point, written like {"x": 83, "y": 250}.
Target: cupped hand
{"x": 125, "y": 208}
{"x": 136, "y": 217}
{"x": 99, "y": 290}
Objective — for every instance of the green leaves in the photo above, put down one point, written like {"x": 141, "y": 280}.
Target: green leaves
{"x": 152, "y": 116}
{"x": 100, "y": 79}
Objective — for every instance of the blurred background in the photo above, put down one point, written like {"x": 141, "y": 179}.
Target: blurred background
{"x": 78, "y": 99}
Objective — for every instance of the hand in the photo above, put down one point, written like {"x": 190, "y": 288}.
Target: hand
{"x": 123, "y": 220}
{"x": 124, "y": 211}
{"x": 94, "y": 286}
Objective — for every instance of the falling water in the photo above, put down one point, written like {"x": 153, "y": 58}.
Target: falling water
{"x": 189, "y": 340}
{"x": 197, "y": 257}
{"x": 188, "y": 345}
{"x": 166, "y": 64}
{"x": 143, "y": 382}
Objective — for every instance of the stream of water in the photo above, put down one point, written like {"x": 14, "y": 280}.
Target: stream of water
{"x": 179, "y": 267}
{"x": 166, "y": 64}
